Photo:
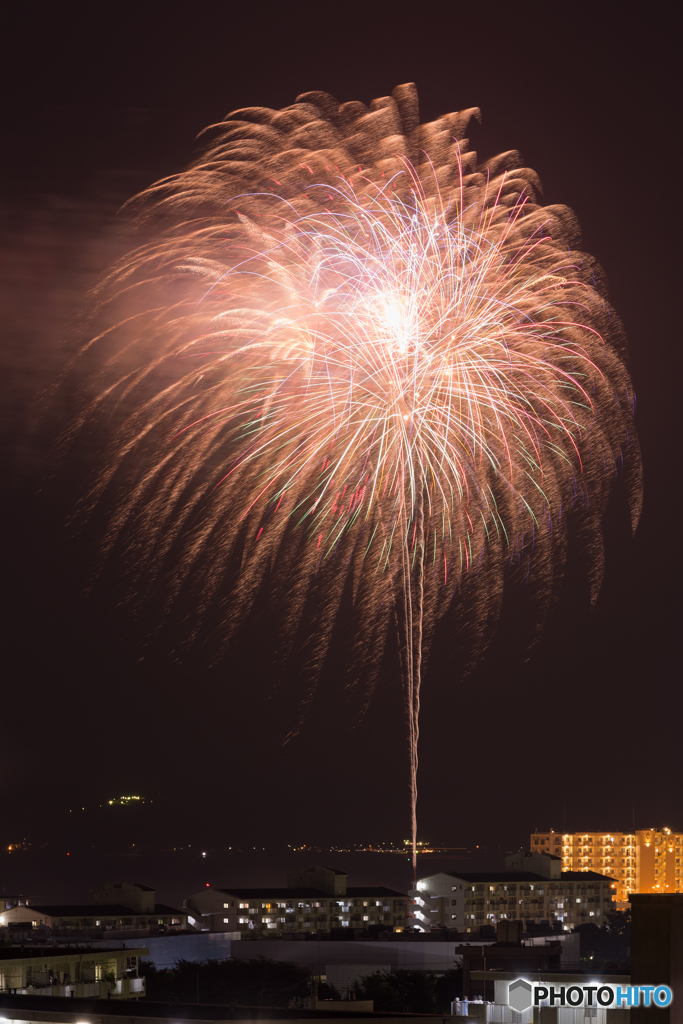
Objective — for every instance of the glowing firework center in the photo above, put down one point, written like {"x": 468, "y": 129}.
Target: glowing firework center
{"x": 405, "y": 352}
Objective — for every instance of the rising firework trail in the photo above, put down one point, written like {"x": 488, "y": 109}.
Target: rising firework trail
{"x": 350, "y": 355}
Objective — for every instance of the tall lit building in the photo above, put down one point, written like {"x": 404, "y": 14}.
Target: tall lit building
{"x": 645, "y": 860}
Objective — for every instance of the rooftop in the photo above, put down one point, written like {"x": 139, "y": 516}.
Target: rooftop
{"x": 128, "y": 885}
{"x": 100, "y": 910}
{"x": 111, "y": 1011}
{"x": 577, "y": 876}
{"x": 357, "y": 892}
{"x": 527, "y": 876}
{"x": 55, "y": 953}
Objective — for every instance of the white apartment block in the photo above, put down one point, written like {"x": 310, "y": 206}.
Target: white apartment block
{"x": 531, "y": 889}
{"x": 323, "y": 904}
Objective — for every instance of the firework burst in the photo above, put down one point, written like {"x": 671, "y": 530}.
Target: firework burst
{"x": 352, "y": 353}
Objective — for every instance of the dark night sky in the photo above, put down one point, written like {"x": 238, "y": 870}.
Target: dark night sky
{"x": 101, "y": 99}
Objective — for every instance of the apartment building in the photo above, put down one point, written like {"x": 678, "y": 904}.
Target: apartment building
{"x": 316, "y": 900}
{"x": 117, "y": 909}
{"x": 531, "y": 888}
{"x": 644, "y": 860}
{"x": 86, "y": 974}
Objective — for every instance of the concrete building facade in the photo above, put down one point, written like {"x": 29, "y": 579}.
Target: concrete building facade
{"x": 531, "y": 889}
{"x": 133, "y": 895}
{"x": 323, "y": 904}
{"x": 90, "y": 974}
{"x": 119, "y": 909}
{"x": 657, "y": 952}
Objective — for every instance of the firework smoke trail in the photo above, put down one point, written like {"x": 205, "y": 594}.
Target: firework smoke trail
{"x": 351, "y": 352}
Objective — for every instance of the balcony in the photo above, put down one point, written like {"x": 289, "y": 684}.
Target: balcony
{"x": 124, "y": 988}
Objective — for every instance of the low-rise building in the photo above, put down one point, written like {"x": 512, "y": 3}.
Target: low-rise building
{"x": 117, "y": 910}
{"x": 94, "y": 920}
{"x": 323, "y": 905}
{"x": 91, "y": 974}
{"x": 531, "y": 889}
{"x": 497, "y": 982}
